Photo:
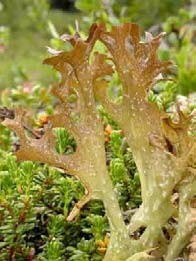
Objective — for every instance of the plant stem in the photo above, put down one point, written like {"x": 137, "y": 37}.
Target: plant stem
{"x": 185, "y": 225}
{"x": 120, "y": 244}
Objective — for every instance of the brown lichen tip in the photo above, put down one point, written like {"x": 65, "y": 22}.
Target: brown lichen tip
{"x": 15, "y": 122}
{"x": 183, "y": 122}
{"x": 177, "y": 129}
{"x": 80, "y": 52}
{"x": 42, "y": 149}
{"x": 135, "y": 60}
{"x": 80, "y": 73}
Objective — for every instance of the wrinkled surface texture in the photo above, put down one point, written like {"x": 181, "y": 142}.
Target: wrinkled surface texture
{"x": 162, "y": 148}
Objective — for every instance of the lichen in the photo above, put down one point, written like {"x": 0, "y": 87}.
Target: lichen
{"x": 162, "y": 148}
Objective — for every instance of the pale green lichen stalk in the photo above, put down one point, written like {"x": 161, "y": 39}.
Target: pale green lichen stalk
{"x": 163, "y": 150}
{"x": 81, "y": 119}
